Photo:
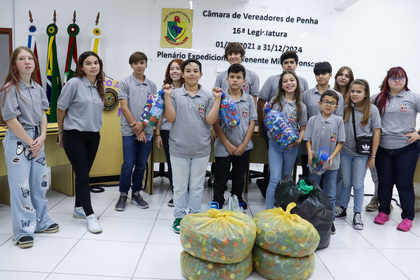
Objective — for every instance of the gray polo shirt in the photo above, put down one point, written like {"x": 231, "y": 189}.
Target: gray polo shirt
{"x": 313, "y": 96}
{"x": 83, "y": 104}
{"x": 251, "y": 87}
{"x": 29, "y": 110}
{"x": 399, "y": 118}
{"x": 349, "y": 145}
{"x": 247, "y": 112}
{"x": 190, "y": 133}
{"x": 289, "y": 109}
{"x": 136, "y": 94}
{"x": 271, "y": 87}
{"x": 165, "y": 125}
{"x": 325, "y": 133}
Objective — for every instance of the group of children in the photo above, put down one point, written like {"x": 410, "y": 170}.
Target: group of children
{"x": 323, "y": 118}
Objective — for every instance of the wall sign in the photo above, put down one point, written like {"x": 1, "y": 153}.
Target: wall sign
{"x": 176, "y": 29}
{"x": 265, "y": 34}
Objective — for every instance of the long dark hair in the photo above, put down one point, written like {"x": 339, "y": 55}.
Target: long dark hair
{"x": 99, "y": 77}
{"x": 351, "y": 79}
{"x": 281, "y": 93}
{"x": 383, "y": 97}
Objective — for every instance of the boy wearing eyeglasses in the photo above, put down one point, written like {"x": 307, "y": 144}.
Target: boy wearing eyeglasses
{"x": 326, "y": 130}
{"x": 311, "y": 97}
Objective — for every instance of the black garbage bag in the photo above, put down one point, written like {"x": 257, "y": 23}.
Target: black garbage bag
{"x": 311, "y": 205}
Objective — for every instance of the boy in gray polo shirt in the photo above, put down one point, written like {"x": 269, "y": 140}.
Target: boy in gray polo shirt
{"x": 326, "y": 130}
{"x": 235, "y": 53}
{"x": 233, "y": 145}
{"x": 311, "y": 97}
{"x": 137, "y": 139}
{"x": 192, "y": 111}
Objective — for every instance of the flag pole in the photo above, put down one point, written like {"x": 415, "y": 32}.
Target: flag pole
{"x": 53, "y": 73}
{"x": 33, "y": 30}
{"x": 71, "y": 60}
{"x": 97, "y": 33}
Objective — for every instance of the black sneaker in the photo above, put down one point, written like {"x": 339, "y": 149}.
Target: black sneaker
{"x": 242, "y": 203}
{"x": 357, "y": 221}
{"x": 25, "y": 242}
{"x": 262, "y": 185}
{"x": 51, "y": 229}
{"x": 138, "y": 200}
{"x": 171, "y": 203}
{"x": 341, "y": 213}
{"x": 332, "y": 229}
{"x": 121, "y": 203}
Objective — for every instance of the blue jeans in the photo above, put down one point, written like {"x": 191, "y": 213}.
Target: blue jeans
{"x": 353, "y": 169}
{"x": 28, "y": 185}
{"x": 397, "y": 167}
{"x": 339, "y": 186}
{"x": 281, "y": 163}
{"x": 188, "y": 175}
{"x": 330, "y": 181}
{"x": 135, "y": 154}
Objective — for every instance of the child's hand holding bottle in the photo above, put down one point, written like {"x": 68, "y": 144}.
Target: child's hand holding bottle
{"x": 167, "y": 89}
{"x": 217, "y": 93}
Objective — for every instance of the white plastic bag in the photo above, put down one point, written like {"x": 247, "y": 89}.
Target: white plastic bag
{"x": 233, "y": 204}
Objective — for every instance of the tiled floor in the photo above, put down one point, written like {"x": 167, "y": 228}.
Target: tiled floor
{"x": 140, "y": 244}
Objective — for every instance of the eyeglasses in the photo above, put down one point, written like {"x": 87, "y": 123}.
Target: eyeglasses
{"x": 394, "y": 79}
{"x": 327, "y": 103}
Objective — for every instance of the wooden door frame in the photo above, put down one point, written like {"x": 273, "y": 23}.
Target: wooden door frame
{"x": 9, "y": 32}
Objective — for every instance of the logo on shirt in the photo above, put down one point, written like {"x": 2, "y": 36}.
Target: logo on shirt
{"x": 403, "y": 108}
{"x": 245, "y": 87}
{"x": 361, "y": 123}
{"x": 333, "y": 137}
{"x": 244, "y": 112}
{"x": 292, "y": 117}
{"x": 200, "y": 108}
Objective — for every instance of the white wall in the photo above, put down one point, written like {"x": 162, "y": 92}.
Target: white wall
{"x": 370, "y": 36}
{"x": 374, "y": 35}
{"x": 6, "y": 14}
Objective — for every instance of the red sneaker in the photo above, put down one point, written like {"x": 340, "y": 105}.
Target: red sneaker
{"x": 381, "y": 218}
{"x": 405, "y": 225}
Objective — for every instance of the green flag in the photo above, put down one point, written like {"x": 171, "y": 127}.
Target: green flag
{"x": 71, "y": 59}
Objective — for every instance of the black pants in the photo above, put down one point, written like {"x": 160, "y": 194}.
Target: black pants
{"x": 266, "y": 166}
{"x": 304, "y": 163}
{"x": 81, "y": 148}
{"x": 397, "y": 167}
{"x": 240, "y": 165}
{"x": 164, "y": 134}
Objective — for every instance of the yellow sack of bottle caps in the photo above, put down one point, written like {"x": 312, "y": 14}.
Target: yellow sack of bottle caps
{"x": 220, "y": 236}
{"x": 273, "y": 266}
{"x": 195, "y": 268}
{"x": 283, "y": 233}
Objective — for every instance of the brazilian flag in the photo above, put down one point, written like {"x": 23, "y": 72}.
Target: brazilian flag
{"x": 53, "y": 74}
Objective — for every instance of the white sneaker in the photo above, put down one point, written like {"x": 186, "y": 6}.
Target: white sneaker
{"x": 79, "y": 213}
{"x": 93, "y": 224}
